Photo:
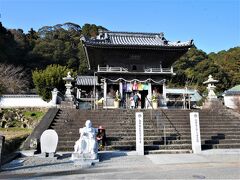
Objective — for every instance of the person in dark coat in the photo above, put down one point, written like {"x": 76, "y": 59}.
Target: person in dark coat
{"x": 101, "y": 137}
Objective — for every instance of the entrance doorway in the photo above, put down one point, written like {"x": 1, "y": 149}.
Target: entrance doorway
{"x": 143, "y": 94}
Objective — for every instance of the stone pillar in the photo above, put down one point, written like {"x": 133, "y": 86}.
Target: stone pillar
{"x": 195, "y": 132}
{"x": 2, "y": 139}
{"x": 54, "y": 96}
{"x": 139, "y": 133}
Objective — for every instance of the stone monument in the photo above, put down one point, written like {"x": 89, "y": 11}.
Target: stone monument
{"x": 49, "y": 141}
{"x": 139, "y": 133}
{"x": 86, "y": 147}
{"x": 195, "y": 132}
{"x": 69, "y": 79}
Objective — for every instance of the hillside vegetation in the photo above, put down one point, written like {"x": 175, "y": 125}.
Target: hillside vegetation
{"x": 61, "y": 45}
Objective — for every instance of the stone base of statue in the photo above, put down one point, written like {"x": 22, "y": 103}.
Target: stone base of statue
{"x": 68, "y": 98}
{"x": 84, "y": 160}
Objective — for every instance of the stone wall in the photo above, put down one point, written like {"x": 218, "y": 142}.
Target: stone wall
{"x": 232, "y": 102}
{"x": 18, "y": 101}
{"x": 21, "y": 117}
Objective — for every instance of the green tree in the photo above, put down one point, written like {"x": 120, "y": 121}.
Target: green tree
{"x": 91, "y": 30}
{"x": 48, "y": 79}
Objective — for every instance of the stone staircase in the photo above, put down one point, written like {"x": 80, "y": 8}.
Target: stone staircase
{"x": 165, "y": 131}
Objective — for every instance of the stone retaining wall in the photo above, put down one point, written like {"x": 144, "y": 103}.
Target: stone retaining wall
{"x": 21, "y": 101}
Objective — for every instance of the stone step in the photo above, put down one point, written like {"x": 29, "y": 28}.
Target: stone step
{"x": 171, "y": 151}
{"x": 211, "y": 133}
{"x": 149, "y": 127}
{"x": 168, "y": 147}
{"x": 216, "y": 128}
{"x": 122, "y": 121}
{"x": 221, "y": 146}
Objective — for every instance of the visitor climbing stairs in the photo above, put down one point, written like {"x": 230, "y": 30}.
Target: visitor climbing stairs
{"x": 165, "y": 131}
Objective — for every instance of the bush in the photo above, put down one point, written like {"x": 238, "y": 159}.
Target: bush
{"x": 46, "y": 80}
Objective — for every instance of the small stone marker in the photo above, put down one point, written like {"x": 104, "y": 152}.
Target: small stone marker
{"x": 139, "y": 133}
{"x": 49, "y": 141}
{"x": 195, "y": 132}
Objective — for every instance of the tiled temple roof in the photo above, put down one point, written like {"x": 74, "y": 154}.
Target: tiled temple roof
{"x": 233, "y": 91}
{"x": 86, "y": 80}
{"x": 123, "y": 39}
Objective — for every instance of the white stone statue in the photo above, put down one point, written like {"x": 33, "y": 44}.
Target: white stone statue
{"x": 86, "y": 145}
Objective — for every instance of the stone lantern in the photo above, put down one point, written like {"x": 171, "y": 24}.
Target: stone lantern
{"x": 69, "y": 79}
{"x": 210, "y": 87}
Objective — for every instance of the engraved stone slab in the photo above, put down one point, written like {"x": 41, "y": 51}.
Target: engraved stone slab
{"x": 195, "y": 132}
{"x": 49, "y": 141}
{"x": 139, "y": 133}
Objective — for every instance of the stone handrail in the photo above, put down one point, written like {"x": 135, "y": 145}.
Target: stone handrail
{"x": 43, "y": 125}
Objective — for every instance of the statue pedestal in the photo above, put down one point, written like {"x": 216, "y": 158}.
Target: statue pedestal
{"x": 84, "y": 160}
{"x": 85, "y": 156}
{"x": 212, "y": 104}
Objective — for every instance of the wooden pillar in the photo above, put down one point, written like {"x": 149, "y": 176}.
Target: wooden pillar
{"x": 105, "y": 90}
{"x": 121, "y": 88}
{"x": 78, "y": 93}
{"x": 164, "y": 92}
{"x": 150, "y": 89}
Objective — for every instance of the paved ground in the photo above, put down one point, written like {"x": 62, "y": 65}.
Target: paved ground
{"x": 211, "y": 164}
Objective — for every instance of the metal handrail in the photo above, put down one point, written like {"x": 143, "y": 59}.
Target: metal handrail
{"x": 171, "y": 123}
{"x": 166, "y": 118}
{"x": 61, "y": 95}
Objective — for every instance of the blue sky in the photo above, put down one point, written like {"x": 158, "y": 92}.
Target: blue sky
{"x": 213, "y": 24}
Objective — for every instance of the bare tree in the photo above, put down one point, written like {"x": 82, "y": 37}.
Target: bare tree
{"x": 13, "y": 79}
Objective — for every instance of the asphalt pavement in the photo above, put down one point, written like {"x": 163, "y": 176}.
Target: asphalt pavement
{"x": 209, "y": 164}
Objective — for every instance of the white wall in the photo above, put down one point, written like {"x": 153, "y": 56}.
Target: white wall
{"x": 14, "y": 101}
{"x": 232, "y": 102}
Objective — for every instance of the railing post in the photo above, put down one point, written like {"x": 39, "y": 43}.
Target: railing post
{"x": 164, "y": 134}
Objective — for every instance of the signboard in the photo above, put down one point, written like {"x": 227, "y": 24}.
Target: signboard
{"x": 139, "y": 133}
{"x": 195, "y": 132}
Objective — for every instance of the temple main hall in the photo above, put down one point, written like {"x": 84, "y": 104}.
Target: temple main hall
{"x": 127, "y": 63}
